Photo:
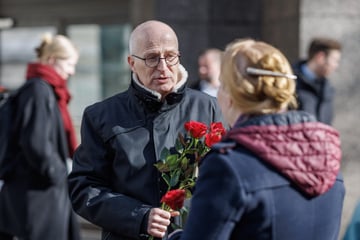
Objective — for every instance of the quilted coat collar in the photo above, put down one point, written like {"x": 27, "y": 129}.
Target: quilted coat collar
{"x": 152, "y": 100}
{"x": 305, "y": 151}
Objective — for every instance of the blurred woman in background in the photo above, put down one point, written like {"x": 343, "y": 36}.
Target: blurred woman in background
{"x": 34, "y": 202}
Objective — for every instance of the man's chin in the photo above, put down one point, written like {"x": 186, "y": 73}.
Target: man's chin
{"x": 164, "y": 90}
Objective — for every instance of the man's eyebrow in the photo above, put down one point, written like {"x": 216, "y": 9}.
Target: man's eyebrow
{"x": 158, "y": 53}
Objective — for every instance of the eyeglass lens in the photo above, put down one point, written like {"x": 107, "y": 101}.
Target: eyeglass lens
{"x": 155, "y": 60}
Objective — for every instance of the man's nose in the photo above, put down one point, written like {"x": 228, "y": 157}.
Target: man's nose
{"x": 162, "y": 64}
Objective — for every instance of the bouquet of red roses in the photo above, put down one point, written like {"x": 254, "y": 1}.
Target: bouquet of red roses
{"x": 179, "y": 167}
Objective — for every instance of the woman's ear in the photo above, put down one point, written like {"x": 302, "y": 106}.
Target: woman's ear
{"x": 50, "y": 61}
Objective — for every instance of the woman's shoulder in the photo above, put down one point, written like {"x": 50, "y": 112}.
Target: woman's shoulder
{"x": 244, "y": 164}
{"x": 35, "y": 88}
{"x": 221, "y": 153}
{"x": 36, "y": 85}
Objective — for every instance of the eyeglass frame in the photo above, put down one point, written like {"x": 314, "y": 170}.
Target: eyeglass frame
{"x": 159, "y": 59}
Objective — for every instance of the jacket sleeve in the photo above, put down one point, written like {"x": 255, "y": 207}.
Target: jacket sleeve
{"x": 37, "y": 106}
{"x": 217, "y": 203}
{"x": 90, "y": 187}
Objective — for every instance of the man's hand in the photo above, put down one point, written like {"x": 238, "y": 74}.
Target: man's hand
{"x": 158, "y": 222}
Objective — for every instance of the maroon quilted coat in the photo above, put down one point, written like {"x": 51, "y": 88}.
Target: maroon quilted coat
{"x": 273, "y": 177}
{"x": 306, "y": 152}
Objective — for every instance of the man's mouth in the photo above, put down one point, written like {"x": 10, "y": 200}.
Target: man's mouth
{"x": 162, "y": 79}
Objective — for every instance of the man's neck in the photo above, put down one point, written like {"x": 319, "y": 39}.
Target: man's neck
{"x": 308, "y": 71}
{"x": 313, "y": 68}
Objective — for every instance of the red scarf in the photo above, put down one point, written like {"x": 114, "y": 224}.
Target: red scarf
{"x": 48, "y": 74}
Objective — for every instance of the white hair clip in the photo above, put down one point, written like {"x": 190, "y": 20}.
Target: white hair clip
{"x": 262, "y": 72}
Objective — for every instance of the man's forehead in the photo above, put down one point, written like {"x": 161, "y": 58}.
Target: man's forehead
{"x": 159, "y": 43}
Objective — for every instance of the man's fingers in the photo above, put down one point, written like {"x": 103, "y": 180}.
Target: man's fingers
{"x": 156, "y": 233}
{"x": 174, "y": 213}
{"x": 160, "y": 212}
{"x": 158, "y": 222}
{"x": 157, "y": 229}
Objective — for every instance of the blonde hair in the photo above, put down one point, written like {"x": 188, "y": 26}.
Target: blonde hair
{"x": 57, "y": 46}
{"x": 257, "y": 94}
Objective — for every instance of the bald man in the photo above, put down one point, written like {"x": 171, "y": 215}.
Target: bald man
{"x": 114, "y": 183}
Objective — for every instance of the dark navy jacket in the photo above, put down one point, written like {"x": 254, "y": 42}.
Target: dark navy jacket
{"x": 274, "y": 177}
{"x": 315, "y": 97}
{"x": 35, "y": 192}
{"x": 114, "y": 183}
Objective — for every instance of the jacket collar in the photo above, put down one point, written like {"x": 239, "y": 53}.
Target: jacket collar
{"x": 307, "y": 77}
{"x": 305, "y": 151}
{"x": 152, "y": 99}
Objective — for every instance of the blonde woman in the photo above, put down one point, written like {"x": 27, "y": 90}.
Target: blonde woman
{"x": 275, "y": 175}
{"x": 34, "y": 203}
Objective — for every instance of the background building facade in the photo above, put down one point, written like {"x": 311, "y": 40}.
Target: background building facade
{"x": 101, "y": 30}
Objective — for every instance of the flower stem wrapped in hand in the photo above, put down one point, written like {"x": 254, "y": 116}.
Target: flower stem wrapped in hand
{"x": 179, "y": 168}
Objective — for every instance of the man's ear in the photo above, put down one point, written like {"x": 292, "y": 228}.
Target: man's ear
{"x": 131, "y": 62}
{"x": 320, "y": 57}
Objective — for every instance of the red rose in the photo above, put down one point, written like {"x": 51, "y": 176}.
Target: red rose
{"x": 196, "y": 129}
{"x": 212, "y": 138}
{"x": 174, "y": 199}
{"x": 217, "y": 127}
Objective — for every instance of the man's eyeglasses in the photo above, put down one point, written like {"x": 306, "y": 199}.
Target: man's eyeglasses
{"x": 153, "y": 61}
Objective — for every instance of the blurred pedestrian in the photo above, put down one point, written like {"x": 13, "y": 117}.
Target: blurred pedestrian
{"x": 314, "y": 90}
{"x": 3, "y": 91}
{"x": 275, "y": 175}
{"x": 34, "y": 201}
{"x": 209, "y": 70}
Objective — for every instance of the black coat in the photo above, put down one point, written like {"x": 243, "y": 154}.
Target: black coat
{"x": 315, "y": 97}
{"x": 34, "y": 201}
{"x": 114, "y": 183}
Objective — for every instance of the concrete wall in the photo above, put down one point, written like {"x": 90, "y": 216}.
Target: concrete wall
{"x": 208, "y": 23}
{"x": 280, "y": 26}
